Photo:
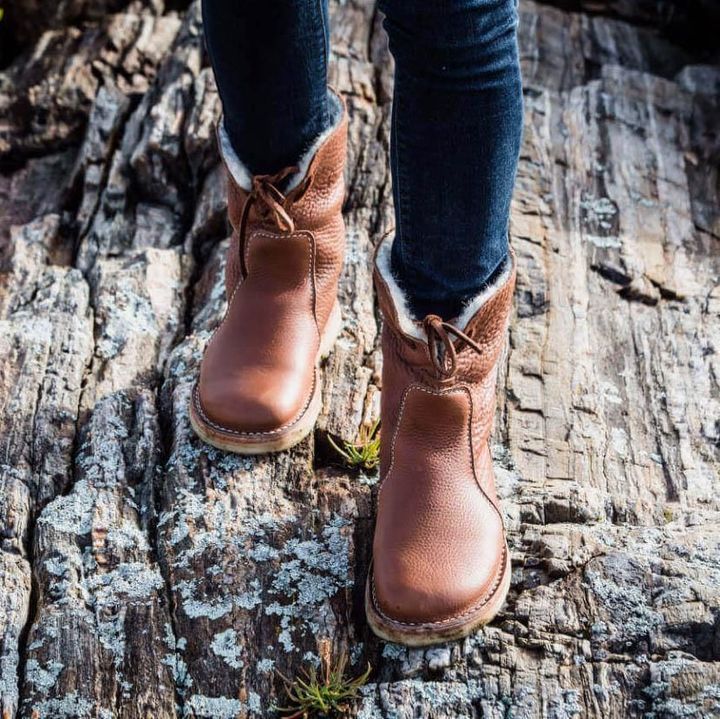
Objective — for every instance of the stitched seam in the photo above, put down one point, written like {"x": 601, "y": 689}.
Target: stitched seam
{"x": 472, "y": 455}
{"x": 401, "y": 412}
{"x": 437, "y": 393}
{"x": 221, "y": 428}
{"x": 304, "y": 233}
{"x": 227, "y": 311}
{"x": 313, "y": 285}
{"x": 488, "y": 596}
{"x": 394, "y": 441}
{"x": 196, "y": 390}
{"x": 309, "y": 237}
{"x": 491, "y": 592}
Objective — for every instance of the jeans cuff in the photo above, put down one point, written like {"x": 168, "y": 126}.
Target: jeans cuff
{"x": 404, "y": 300}
{"x": 241, "y": 174}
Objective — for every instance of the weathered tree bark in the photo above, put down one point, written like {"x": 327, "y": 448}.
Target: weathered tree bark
{"x": 143, "y": 574}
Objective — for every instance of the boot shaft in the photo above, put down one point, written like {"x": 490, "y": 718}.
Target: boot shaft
{"x": 306, "y": 199}
{"x": 412, "y": 343}
{"x": 407, "y": 350}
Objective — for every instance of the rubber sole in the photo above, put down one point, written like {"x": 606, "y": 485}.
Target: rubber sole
{"x": 423, "y": 635}
{"x": 238, "y": 443}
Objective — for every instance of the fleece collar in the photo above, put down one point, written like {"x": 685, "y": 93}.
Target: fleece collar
{"x": 413, "y": 327}
{"x": 242, "y": 175}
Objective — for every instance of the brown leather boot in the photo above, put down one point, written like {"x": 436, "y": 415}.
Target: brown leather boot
{"x": 259, "y": 384}
{"x": 441, "y": 566}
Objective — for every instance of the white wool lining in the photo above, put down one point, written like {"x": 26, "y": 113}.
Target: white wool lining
{"x": 242, "y": 175}
{"x": 413, "y": 327}
{"x": 408, "y": 325}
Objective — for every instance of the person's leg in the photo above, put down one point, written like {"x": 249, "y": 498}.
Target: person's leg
{"x": 441, "y": 565}
{"x": 270, "y": 62}
{"x": 284, "y": 147}
{"x": 456, "y": 130}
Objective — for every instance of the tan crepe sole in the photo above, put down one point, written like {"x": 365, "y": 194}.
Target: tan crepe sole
{"x": 422, "y": 635}
{"x": 281, "y": 440}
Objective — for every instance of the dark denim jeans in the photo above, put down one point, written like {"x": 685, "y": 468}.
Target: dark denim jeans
{"x": 456, "y": 124}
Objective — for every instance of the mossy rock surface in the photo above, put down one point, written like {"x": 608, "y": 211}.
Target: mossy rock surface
{"x": 143, "y": 574}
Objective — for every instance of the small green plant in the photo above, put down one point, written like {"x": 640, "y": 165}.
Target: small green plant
{"x": 323, "y": 693}
{"x": 364, "y": 453}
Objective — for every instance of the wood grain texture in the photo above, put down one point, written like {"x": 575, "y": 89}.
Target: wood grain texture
{"x": 143, "y": 574}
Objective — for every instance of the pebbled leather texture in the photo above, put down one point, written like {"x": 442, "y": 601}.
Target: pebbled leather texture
{"x": 258, "y": 372}
{"x": 439, "y": 551}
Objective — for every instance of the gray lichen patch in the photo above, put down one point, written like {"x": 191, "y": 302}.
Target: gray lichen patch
{"x": 71, "y": 513}
{"x": 44, "y": 677}
{"x": 129, "y": 310}
{"x": 438, "y": 699}
{"x": 138, "y": 303}
{"x": 194, "y": 607}
{"x": 130, "y": 580}
{"x": 69, "y": 706}
{"x": 626, "y": 603}
{"x": 307, "y": 572}
{"x": 265, "y": 666}
{"x": 128, "y": 536}
{"x": 9, "y": 692}
{"x": 206, "y": 707}
{"x": 310, "y": 573}
{"x": 225, "y": 645}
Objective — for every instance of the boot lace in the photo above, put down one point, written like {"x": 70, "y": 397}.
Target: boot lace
{"x": 442, "y": 349}
{"x": 270, "y": 202}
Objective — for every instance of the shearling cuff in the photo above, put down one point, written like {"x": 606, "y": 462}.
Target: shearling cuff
{"x": 408, "y": 323}
{"x": 242, "y": 175}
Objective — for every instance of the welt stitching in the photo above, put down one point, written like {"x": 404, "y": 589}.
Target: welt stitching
{"x": 491, "y": 592}
{"x": 486, "y": 598}
{"x": 287, "y": 425}
{"x": 196, "y": 391}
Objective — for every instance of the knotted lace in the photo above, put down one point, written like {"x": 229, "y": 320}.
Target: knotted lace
{"x": 270, "y": 202}
{"x": 442, "y": 349}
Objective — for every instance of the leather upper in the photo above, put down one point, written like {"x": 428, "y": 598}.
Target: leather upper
{"x": 258, "y": 372}
{"x": 439, "y": 550}
{"x": 314, "y": 206}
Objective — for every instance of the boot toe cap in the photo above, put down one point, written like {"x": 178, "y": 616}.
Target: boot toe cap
{"x": 414, "y": 594}
{"x": 246, "y": 408}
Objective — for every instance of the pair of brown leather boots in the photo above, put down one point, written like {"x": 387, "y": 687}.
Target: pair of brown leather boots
{"x": 440, "y": 559}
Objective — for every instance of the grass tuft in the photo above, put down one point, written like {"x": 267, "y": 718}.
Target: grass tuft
{"x": 364, "y": 453}
{"x": 322, "y": 693}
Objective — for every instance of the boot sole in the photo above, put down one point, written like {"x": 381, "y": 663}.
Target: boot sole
{"x": 295, "y": 433}
{"x": 422, "y": 635}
